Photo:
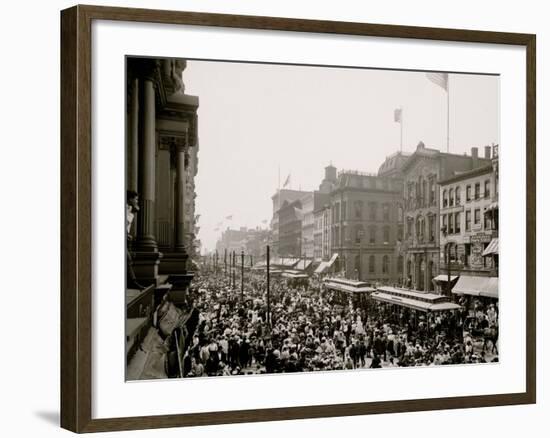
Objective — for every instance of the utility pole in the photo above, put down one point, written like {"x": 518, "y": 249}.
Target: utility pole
{"x": 268, "y": 313}
{"x": 233, "y": 270}
{"x": 242, "y": 275}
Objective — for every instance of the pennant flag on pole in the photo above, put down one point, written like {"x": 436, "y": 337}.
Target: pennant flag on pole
{"x": 397, "y": 115}
{"x": 441, "y": 79}
{"x": 287, "y": 181}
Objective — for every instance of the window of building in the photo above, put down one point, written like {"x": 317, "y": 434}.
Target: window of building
{"x": 371, "y": 264}
{"x": 385, "y": 264}
{"x": 386, "y": 212}
{"x": 457, "y": 222}
{"x": 400, "y": 265}
{"x": 468, "y": 220}
{"x": 477, "y": 216}
{"x": 487, "y": 193}
{"x": 432, "y": 191}
{"x": 358, "y": 207}
{"x": 468, "y": 193}
{"x": 444, "y": 223}
{"x": 386, "y": 234}
{"x": 477, "y": 191}
{"x": 409, "y": 227}
{"x": 457, "y": 196}
{"x": 373, "y": 207}
{"x": 372, "y": 234}
{"x": 451, "y": 197}
{"x": 431, "y": 226}
{"x": 344, "y": 210}
{"x": 400, "y": 232}
{"x": 336, "y": 217}
{"x": 358, "y": 233}
{"x": 486, "y": 221}
{"x": 451, "y": 223}
{"x": 445, "y": 201}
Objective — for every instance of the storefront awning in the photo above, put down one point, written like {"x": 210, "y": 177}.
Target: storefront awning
{"x": 323, "y": 266}
{"x": 477, "y": 286}
{"x": 492, "y": 248}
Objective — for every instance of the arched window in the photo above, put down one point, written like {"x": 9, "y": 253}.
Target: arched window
{"x": 385, "y": 264}
{"x": 444, "y": 198}
{"x": 386, "y": 212}
{"x": 457, "y": 195}
{"x": 386, "y": 234}
{"x": 371, "y": 264}
{"x": 372, "y": 234}
{"x": 451, "y": 197}
{"x": 358, "y": 207}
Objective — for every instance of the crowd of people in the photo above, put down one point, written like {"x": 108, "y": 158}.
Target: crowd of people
{"x": 315, "y": 330}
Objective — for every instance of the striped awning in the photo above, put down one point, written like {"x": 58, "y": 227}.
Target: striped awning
{"x": 477, "y": 286}
{"x": 492, "y": 248}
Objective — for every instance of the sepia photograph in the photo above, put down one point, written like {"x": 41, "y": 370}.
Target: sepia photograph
{"x": 285, "y": 218}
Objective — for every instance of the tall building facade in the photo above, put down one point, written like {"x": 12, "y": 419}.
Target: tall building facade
{"x": 365, "y": 225}
{"x": 421, "y": 172}
{"x": 469, "y": 221}
{"x": 162, "y": 158}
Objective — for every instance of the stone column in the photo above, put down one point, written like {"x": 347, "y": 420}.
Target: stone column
{"x": 146, "y": 235}
{"x": 180, "y": 200}
{"x": 133, "y": 136}
{"x": 146, "y": 259}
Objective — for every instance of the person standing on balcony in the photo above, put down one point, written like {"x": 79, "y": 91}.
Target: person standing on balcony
{"x": 132, "y": 207}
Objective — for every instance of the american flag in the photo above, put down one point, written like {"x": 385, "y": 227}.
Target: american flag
{"x": 397, "y": 115}
{"x": 441, "y": 79}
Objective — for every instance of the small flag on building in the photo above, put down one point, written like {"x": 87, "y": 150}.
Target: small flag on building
{"x": 397, "y": 115}
{"x": 441, "y": 79}
{"x": 287, "y": 181}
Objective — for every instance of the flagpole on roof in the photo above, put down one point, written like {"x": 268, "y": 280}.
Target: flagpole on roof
{"x": 448, "y": 108}
{"x": 401, "y": 128}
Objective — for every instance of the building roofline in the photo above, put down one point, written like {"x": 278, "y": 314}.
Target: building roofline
{"x": 482, "y": 170}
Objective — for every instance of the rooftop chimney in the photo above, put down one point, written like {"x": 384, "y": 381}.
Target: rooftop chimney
{"x": 488, "y": 152}
{"x": 474, "y": 158}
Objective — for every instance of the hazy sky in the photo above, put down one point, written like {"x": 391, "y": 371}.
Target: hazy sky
{"x": 255, "y": 118}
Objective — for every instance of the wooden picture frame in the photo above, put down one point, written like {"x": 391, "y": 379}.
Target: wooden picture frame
{"x": 76, "y": 218}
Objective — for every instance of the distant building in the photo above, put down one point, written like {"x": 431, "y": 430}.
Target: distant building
{"x": 322, "y": 233}
{"x": 421, "y": 173}
{"x": 365, "y": 217}
{"x": 290, "y": 229}
{"x": 393, "y": 165}
{"x": 279, "y": 199}
{"x": 311, "y": 203}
